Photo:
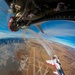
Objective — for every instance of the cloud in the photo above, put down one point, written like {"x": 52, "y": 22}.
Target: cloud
{"x": 60, "y": 32}
{"x": 65, "y": 34}
{"x": 6, "y": 35}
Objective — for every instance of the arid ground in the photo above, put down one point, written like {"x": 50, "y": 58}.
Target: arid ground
{"x": 37, "y": 56}
{"x": 31, "y": 59}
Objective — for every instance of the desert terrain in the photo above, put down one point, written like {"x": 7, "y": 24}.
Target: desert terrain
{"x": 31, "y": 59}
{"x": 37, "y": 57}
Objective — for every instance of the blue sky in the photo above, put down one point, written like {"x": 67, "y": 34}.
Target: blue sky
{"x": 61, "y": 31}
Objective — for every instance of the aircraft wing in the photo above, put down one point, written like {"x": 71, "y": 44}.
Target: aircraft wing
{"x": 50, "y": 62}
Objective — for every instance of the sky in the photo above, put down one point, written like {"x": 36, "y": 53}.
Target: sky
{"x": 61, "y": 31}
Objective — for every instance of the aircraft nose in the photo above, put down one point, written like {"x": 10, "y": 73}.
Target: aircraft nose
{"x": 12, "y": 25}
